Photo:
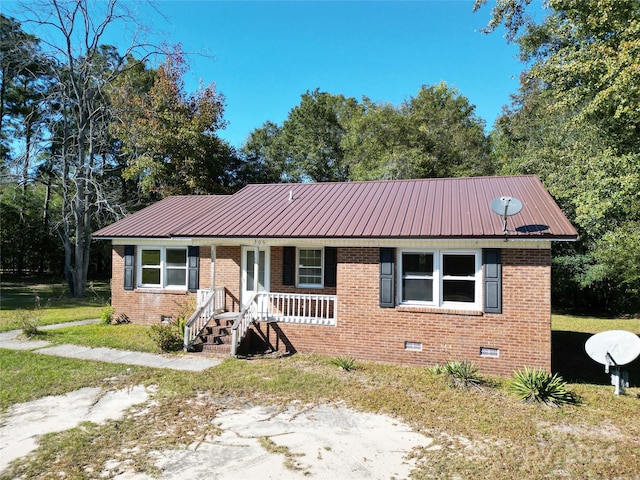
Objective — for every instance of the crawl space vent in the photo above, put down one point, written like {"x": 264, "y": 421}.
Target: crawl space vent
{"x": 489, "y": 352}
{"x": 413, "y": 346}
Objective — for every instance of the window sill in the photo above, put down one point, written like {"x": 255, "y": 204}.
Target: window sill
{"x": 439, "y": 310}
{"x": 170, "y": 291}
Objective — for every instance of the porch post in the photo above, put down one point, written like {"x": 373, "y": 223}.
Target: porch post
{"x": 213, "y": 267}
{"x": 256, "y": 268}
{"x": 256, "y": 273}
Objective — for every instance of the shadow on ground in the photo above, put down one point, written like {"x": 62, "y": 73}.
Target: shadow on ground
{"x": 569, "y": 359}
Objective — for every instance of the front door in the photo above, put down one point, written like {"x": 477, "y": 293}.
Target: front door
{"x": 248, "y": 282}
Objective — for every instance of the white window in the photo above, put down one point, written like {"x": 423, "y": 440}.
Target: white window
{"x": 162, "y": 267}
{"x": 440, "y": 278}
{"x": 310, "y": 261}
{"x": 417, "y": 277}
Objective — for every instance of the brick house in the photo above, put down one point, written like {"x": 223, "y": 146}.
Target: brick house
{"x": 412, "y": 272}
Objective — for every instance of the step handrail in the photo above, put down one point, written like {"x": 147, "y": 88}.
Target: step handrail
{"x": 213, "y": 303}
{"x": 242, "y": 323}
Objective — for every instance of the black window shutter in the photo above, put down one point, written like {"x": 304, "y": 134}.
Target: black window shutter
{"x": 330, "y": 266}
{"x": 289, "y": 265}
{"x": 193, "y": 257}
{"x": 129, "y": 251}
{"x": 492, "y": 281}
{"x": 387, "y": 277}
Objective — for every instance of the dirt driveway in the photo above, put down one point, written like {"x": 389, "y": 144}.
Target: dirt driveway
{"x": 301, "y": 441}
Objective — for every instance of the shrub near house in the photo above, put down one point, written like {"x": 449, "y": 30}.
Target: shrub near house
{"x": 410, "y": 271}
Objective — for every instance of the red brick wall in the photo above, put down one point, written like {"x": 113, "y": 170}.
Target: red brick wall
{"x": 146, "y": 306}
{"x": 522, "y": 333}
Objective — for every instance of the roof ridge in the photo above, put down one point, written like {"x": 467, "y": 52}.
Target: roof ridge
{"x": 396, "y": 180}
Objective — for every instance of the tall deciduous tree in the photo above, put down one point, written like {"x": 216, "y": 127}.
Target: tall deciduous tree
{"x": 434, "y": 134}
{"x": 312, "y": 137}
{"x": 78, "y": 115}
{"x": 576, "y": 123}
{"x": 333, "y": 138}
{"x": 262, "y": 159}
{"x": 169, "y": 137}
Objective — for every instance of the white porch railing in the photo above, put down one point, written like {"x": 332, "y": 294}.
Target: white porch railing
{"x": 297, "y": 308}
{"x": 242, "y": 323}
{"x": 262, "y": 307}
{"x": 210, "y": 302}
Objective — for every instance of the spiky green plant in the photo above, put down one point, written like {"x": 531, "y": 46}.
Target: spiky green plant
{"x": 539, "y": 386}
{"x": 436, "y": 369}
{"x": 345, "y": 363}
{"x": 463, "y": 374}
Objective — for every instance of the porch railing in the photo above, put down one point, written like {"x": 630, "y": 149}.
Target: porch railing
{"x": 243, "y": 321}
{"x": 263, "y": 307}
{"x": 297, "y": 308}
{"x": 210, "y": 302}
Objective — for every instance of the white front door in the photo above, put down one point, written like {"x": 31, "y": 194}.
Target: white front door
{"x": 248, "y": 278}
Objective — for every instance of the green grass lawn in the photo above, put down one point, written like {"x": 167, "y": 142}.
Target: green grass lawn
{"x": 573, "y": 323}
{"x": 123, "y": 337}
{"x": 482, "y": 434}
{"x": 48, "y": 303}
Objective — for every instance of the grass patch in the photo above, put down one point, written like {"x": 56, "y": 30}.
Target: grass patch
{"x": 26, "y": 376}
{"x": 51, "y": 300}
{"x": 123, "y": 337}
{"x": 483, "y": 434}
{"x": 572, "y": 323}
{"x": 289, "y": 457}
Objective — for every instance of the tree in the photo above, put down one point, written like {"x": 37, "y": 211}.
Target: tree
{"x": 262, "y": 159}
{"x": 77, "y": 117}
{"x": 311, "y": 137}
{"x": 576, "y": 123}
{"x": 168, "y": 137}
{"x": 435, "y": 134}
{"x": 333, "y": 138}
{"x": 23, "y": 83}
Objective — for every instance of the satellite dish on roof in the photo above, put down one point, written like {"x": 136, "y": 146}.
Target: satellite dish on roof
{"x": 613, "y": 349}
{"x": 505, "y": 207}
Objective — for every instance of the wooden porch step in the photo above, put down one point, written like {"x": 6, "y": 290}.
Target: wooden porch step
{"x": 226, "y": 316}
{"x": 217, "y": 330}
{"x": 216, "y": 338}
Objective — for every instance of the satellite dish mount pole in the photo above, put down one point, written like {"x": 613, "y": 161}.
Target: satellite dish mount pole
{"x": 506, "y": 200}
{"x": 505, "y": 206}
{"x": 619, "y": 379}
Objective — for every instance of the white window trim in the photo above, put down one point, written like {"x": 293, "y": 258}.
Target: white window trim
{"x": 163, "y": 268}
{"x": 438, "y": 278}
{"x": 298, "y": 266}
{"x": 433, "y": 277}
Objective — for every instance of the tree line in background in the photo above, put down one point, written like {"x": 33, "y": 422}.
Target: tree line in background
{"x": 90, "y": 134}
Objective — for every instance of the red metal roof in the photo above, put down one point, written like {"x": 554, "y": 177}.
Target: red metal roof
{"x": 425, "y": 208}
{"x": 164, "y": 218}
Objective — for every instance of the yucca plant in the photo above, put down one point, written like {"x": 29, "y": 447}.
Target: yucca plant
{"x": 539, "y": 386}
{"x": 344, "y": 363}
{"x": 463, "y": 374}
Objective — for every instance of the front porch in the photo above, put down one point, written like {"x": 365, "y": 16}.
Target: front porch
{"x": 220, "y": 323}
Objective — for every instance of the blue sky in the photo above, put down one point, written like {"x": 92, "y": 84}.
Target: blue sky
{"x": 264, "y": 55}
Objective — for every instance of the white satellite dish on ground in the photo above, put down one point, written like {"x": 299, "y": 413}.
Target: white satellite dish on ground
{"x": 613, "y": 349}
{"x": 505, "y": 207}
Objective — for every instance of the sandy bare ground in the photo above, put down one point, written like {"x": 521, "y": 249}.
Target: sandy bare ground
{"x": 22, "y": 424}
{"x": 299, "y": 441}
